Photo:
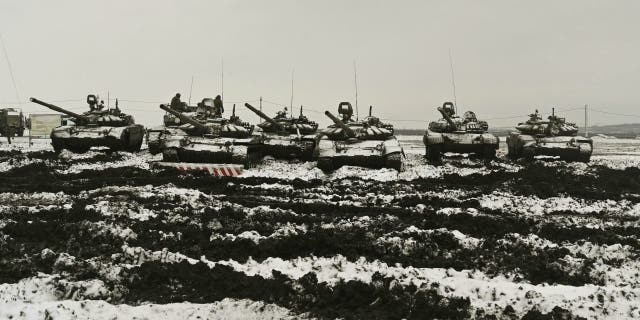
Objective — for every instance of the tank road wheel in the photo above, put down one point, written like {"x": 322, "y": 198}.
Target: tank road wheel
{"x": 154, "y": 148}
{"x": 307, "y": 154}
{"x": 584, "y": 157}
{"x": 528, "y": 154}
{"x": 170, "y": 155}
{"x": 57, "y": 146}
{"x": 79, "y": 149}
{"x": 242, "y": 159}
{"x": 135, "y": 147}
{"x": 511, "y": 152}
{"x": 325, "y": 164}
{"x": 488, "y": 152}
{"x": 434, "y": 153}
{"x": 393, "y": 161}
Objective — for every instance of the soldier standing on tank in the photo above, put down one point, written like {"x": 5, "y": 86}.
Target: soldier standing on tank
{"x": 176, "y": 104}
{"x": 218, "y": 107}
{"x": 100, "y": 105}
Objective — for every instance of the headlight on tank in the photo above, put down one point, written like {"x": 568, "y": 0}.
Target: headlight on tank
{"x": 176, "y": 120}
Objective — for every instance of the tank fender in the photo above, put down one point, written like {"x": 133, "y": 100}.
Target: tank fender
{"x": 431, "y": 138}
{"x": 392, "y": 146}
{"x": 490, "y": 139}
{"x": 62, "y": 132}
{"x": 326, "y": 148}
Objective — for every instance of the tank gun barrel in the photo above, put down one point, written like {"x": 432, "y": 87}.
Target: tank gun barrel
{"x": 340, "y": 124}
{"x": 447, "y": 117}
{"x": 58, "y": 109}
{"x": 185, "y": 118}
{"x": 265, "y": 117}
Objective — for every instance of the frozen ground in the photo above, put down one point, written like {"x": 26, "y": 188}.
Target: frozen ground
{"x": 101, "y": 235}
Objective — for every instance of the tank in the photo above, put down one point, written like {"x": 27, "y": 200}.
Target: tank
{"x": 459, "y": 135}
{"x": 211, "y": 140}
{"x": 554, "y": 138}
{"x": 367, "y": 143}
{"x": 108, "y": 128}
{"x": 12, "y": 123}
{"x": 288, "y": 137}
{"x": 172, "y": 125}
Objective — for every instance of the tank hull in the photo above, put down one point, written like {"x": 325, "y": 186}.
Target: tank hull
{"x": 155, "y": 136}
{"x": 82, "y": 138}
{"x": 203, "y": 149}
{"x": 568, "y": 148}
{"x": 291, "y": 146}
{"x": 376, "y": 154}
{"x": 481, "y": 144}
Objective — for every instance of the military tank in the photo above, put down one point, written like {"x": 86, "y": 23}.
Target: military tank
{"x": 367, "y": 143}
{"x": 172, "y": 125}
{"x": 214, "y": 140}
{"x": 108, "y": 128}
{"x": 459, "y": 135}
{"x": 288, "y": 137}
{"x": 554, "y": 138}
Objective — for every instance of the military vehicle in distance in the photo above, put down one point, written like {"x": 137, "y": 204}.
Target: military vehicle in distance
{"x": 288, "y": 137}
{"x": 459, "y": 135}
{"x": 108, "y": 128}
{"x": 553, "y": 138}
{"x": 366, "y": 143}
{"x": 218, "y": 140}
{"x": 12, "y": 123}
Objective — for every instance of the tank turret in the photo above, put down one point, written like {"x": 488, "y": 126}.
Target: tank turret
{"x": 270, "y": 120}
{"x": 347, "y": 131}
{"x": 186, "y": 119}
{"x": 554, "y": 126}
{"x": 61, "y": 110}
{"x": 554, "y": 137}
{"x": 447, "y": 111}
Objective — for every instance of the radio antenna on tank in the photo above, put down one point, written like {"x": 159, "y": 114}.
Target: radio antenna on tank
{"x": 453, "y": 82}
{"x": 355, "y": 80}
{"x": 190, "y": 90}
{"x": 291, "y": 102}
{"x": 222, "y": 78}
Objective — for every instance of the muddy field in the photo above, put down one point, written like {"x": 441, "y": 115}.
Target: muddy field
{"x": 102, "y": 235}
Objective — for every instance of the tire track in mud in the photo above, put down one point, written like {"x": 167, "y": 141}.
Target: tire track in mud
{"x": 190, "y": 230}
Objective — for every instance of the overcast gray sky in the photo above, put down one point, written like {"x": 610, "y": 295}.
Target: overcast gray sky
{"x": 509, "y": 56}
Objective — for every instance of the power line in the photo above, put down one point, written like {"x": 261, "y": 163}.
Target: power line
{"x": 13, "y": 80}
{"x": 615, "y": 114}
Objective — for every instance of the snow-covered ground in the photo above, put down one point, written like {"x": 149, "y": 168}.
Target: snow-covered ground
{"x": 463, "y": 239}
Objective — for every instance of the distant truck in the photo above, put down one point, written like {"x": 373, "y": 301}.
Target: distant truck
{"x": 12, "y": 123}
